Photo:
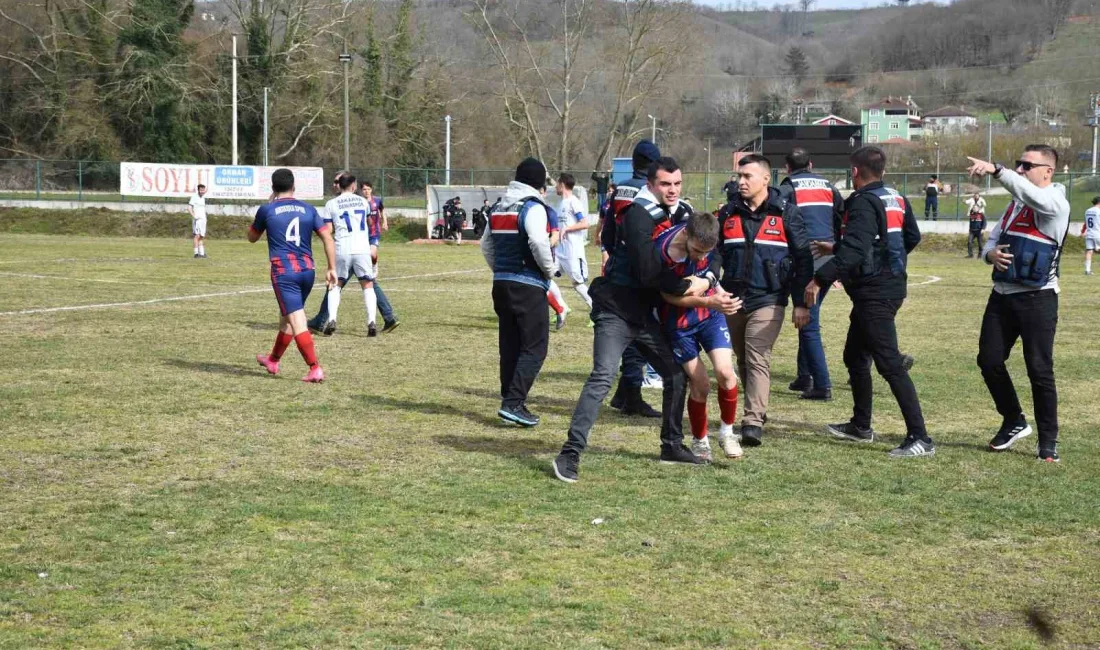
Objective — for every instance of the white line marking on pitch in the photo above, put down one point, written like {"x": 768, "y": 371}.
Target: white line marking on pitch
{"x": 932, "y": 279}
{"x": 201, "y": 296}
{"x": 35, "y": 276}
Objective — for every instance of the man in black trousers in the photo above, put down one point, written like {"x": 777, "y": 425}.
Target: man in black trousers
{"x": 623, "y": 312}
{"x": 876, "y": 233}
{"x": 517, "y": 249}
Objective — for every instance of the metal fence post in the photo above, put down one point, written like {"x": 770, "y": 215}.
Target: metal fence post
{"x": 37, "y": 180}
{"x": 958, "y": 196}
{"x": 80, "y": 180}
{"x": 382, "y": 183}
{"x": 471, "y": 177}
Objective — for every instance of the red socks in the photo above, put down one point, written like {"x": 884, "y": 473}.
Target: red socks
{"x": 305, "y": 346}
{"x": 697, "y": 415}
{"x": 558, "y": 308}
{"x": 727, "y": 404}
{"x": 282, "y": 341}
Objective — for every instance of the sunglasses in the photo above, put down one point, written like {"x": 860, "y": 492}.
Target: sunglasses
{"x": 1028, "y": 166}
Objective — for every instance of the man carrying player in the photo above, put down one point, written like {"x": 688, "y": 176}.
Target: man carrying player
{"x": 290, "y": 225}
{"x": 348, "y": 215}
{"x": 694, "y": 322}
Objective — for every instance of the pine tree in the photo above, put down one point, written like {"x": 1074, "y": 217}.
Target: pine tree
{"x": 372, "y": 75}
{"x": 797, "y": 66}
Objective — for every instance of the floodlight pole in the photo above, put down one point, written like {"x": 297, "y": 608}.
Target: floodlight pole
{"x": 653, "y": 129}
{"x": 345, "y": 59}
{"x": 706, "y": 183}
{"x": 234, "y": 99}
{"x": 447, "y": 178}
{"x": 1095, "y": 118}
{"x": 989, "y": 154}
{"x": 266, "y": 91}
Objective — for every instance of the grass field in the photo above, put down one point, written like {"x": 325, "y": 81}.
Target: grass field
{"x": 160, "y": 491}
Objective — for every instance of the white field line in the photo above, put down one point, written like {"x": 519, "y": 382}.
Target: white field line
{"x": 932, "y": 279}
{"x": 35, "y": 276}
{"x": 201, "y": 296}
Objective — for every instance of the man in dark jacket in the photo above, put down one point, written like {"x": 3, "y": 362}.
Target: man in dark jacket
{"x": 765, "y": 259}
{"x": 602, "y": 181}
{"x": 820, "y": 204}
{"x": 876, "y": 234}
{"x": 624, "y": 302}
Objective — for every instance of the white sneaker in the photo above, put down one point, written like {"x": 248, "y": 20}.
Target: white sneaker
{"x": 701, "y": 448}
{"x": 731, "y": 444}
{"x": 653, "y": 381}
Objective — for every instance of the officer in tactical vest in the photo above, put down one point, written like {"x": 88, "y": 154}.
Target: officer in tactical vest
{"x": 517, "y": 249}
{"x": 623, "y": 312}
{"x": 820, "y": 205}
{"x": 876, "y": 233}
{"x": 1025, "y": 249}
{"x": 765, "y": 260}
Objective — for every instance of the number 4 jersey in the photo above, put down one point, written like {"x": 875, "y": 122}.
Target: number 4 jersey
{"x": 349, "y": 215}
{"x": 290, "y": 225}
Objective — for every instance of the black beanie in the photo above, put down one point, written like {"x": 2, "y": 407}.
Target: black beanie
{"x": 531, "y": 172}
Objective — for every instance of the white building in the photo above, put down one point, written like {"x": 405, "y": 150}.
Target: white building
{"x": 950, "y": 119}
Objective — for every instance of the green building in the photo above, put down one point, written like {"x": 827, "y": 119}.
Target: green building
{"x": 891, "y": 119}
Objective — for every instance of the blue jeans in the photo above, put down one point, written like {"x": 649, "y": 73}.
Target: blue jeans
{"x": 633, "y": 367}
{"x": 811, "y": 353}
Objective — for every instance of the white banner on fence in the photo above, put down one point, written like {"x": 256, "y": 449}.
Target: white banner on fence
{"x": 221, "y": 181}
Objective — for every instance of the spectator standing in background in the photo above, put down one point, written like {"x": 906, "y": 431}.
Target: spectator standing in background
{"x": 975, "y": 207}
{"x": 603, "y": 183}
{"x": 197, "y": 207}
{"x": 1090, "y": 230}
{"x": 932, "y": 198}
{"x": 730, "y": 188}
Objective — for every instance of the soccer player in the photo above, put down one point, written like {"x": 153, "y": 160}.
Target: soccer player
{"x": 574, "y": 226}
{"x": 197, "y": 207}
{"x": 379, "y": 224}
{"x": 1091, "y": 232}
{"x": 553, "y": 293}
{"x": 694, "y": 322}
{"x": 348, "y": 215}
{"x": 290, "y": 225}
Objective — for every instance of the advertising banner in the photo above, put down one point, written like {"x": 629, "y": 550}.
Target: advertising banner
{"x": 221, "y": 181}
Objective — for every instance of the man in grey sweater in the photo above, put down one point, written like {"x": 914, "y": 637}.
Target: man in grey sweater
{"x": 1025, "y": 250}
{"x": 517, "y": 248}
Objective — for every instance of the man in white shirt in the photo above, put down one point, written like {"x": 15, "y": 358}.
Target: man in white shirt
{"x": 1091, "y": 232}
{"x": 197, "y": 207}
{"x": 350, "y": 214}
{"x": 574, "y": 229}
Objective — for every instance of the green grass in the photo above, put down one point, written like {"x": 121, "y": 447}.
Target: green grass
{"x": 171, "y": 495}
{"x": 100, "y": 197}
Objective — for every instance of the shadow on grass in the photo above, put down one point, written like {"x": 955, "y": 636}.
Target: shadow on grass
{"x": 473, "y": 413}
{"x": 463, "y": 325}
{"x": 262, "y": 327}
{"x": 236, "y": 370}
{"x": 535, "y": 401}
{"x": 579, "y": 377}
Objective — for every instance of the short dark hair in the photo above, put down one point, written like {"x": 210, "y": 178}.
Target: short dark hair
{"x": 1046, "y": 150}
{"x": 798, "y": 158}
{"x": 1095, "y": 200}
{"x": 934, "y": 177}
{"x": 366, "y": 183}
{"x": 703, "y": 228}
{"x": 568, "y": 181}
{"x": 282, "y": 180}
{"x": 755, "y": 158}
{"x": 200, "y": 186}
{"x": 345, "y": 180}
{"x": 871, "y": 161}
{"x": 663, "y": 164}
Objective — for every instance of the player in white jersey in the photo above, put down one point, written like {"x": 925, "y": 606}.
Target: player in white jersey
{"x": 197, "y": 207}
{"x": 574, "y": 230}
{"x": 349, "y": 214}
{"x": 1091, "y": 232}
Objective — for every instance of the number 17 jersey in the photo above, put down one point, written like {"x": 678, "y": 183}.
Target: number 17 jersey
{"x": 349, "y": 215}
{"x": 290, "y": 225}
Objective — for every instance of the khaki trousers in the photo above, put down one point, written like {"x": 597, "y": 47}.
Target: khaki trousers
{"x": 753, "y": 335}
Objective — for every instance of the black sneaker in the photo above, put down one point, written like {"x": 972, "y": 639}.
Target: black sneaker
{"x": 372, "y": 330}
{"x": 751, "y": 436}
{"x": 679, "y": 454}
{"x": 519, "y": 415}
{"x": 817, "y": 395}
{"x": 197, "y": 256}
{"x": 907, "y": 362}
{"x": 802, "y": 384}
{"x": 913, "y": 448}
{"x": 390, "y": 325}
{"x": 315, "y": 326}
{"x": 1011, "y": 431}
{"x": 566, "y": 467}
{"x": 1049, "y": 454}
{"x": 619, "y": 398}
{"x": 849, "y": 431}
{"x": 633, "y": 404}
{"x": 330, "y": 328}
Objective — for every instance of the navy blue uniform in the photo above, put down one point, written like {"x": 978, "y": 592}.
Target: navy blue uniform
{"x": 290, "y": 225}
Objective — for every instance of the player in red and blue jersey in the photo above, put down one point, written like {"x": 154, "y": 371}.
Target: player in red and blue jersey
{"x": 698, "y": 322}
{"x": 290, "y": 225}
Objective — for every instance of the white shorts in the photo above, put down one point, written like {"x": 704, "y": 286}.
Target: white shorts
{"x": 198, "y": 227}
{"x": 359, "y": 264}
{"x": 1092, "y": 244}
{"x": 576, "y": 269}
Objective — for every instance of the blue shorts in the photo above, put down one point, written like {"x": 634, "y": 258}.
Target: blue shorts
{"x": 711, "y": 334}
{"x": 291, "y": 290}
{"x": 375, "y": 240}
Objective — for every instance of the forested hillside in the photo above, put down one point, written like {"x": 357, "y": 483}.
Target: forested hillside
{"x": 573, "y": 81}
